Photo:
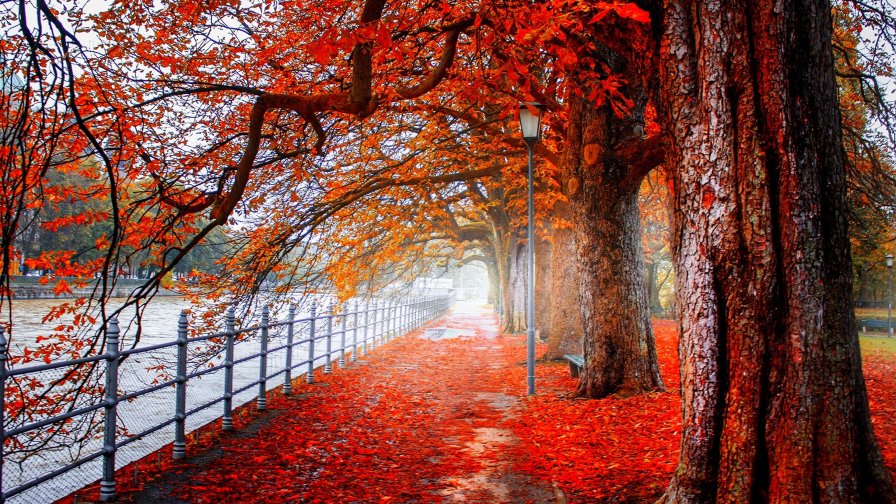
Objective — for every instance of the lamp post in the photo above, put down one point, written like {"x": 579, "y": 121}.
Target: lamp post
{"x": 889, "y": 295}
{"x": 530, "y": 125}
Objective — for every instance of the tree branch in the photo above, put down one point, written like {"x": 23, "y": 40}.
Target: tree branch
{"x": 641, "y": 156}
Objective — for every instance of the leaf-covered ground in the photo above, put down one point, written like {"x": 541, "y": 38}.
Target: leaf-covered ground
{"x": 447, "y": 420}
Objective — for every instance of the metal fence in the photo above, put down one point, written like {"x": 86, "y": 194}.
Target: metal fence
{"x": 322, "y": 339}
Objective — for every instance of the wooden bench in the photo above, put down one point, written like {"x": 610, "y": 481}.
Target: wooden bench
{"x": 872, "y": 324}
{"x": 576, "y": 363}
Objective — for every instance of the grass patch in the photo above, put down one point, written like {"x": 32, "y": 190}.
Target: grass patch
{"x": 877, "y": 345}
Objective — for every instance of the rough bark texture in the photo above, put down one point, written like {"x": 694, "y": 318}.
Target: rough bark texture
{"x": 619, "y": 351}
{"x": 775, "y": 408}
{"x": 502, "y": 242}
{"x": 515, "y": 310}
{"x": 653, "y": 290}
{"x": 543, "y": 255}
{"x": 567, "y": 331}
{"x": 493, "y": 287}
{"x": 505, "y": 252}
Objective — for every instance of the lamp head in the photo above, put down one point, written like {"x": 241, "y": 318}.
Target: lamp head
{"x": 530, "y": 121}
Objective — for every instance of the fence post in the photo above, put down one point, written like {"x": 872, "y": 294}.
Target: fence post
{"x": 180, "y": 398}
{"x": 227, "y": 418}
{"x": 387, "y": 321}
{"x": 287, "y": 379}
{"x": 376, "y": 314}
{"x": 384, "y": 334}
{"x": 363, "y": 351}
{"x": 407, "y": 315}
{"x": 355, "y": 334}
{"x": 342, "y": 354}
{"x": 396, "y": 318}
{"x": 309, "y": 376}
{"x": 328, "y": 368}
{"x": 3, "y": 348}
{"x": 107, "y": 485}
{"x": 400, "y": 329}
{"x": 384, "y": 329}
{"x": 390, "y": 335}
{"x": 416, "y": 316}
{"x": 262, "y": 401}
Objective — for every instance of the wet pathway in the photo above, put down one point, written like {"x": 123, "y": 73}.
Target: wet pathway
{"x": 417, "y": 420}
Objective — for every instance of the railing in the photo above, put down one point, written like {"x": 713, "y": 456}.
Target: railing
{"x": 344, "y": 334}
{"x": 870, "y": 304}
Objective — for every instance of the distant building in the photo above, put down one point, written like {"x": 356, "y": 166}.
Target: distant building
{"x": 433, "y": 283}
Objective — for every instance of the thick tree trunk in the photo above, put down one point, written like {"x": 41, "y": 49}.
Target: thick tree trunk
{"x": 775, "y": 408}
{"x": 619, "y": 350}
{"x": 567, "y": 330}
{"x": 653, "y": 290}
{"x": 505, "y": 254}
{"x": 543, "y": 253}
{"x": 863, "y": 288}
{"x": 515, "y": 310}
{"x": 493, "y": 284}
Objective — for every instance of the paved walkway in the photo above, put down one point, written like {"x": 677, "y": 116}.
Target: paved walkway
{"x": 418, "y": 420}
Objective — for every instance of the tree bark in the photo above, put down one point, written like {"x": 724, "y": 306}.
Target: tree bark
{"x": 505, "y": 253}
{"x": 543, "y": 253}
{"x": 515, "y": 309}
{"x": 775, "y": 408}
{"x": 619, "y": 350}
{"x": 653, "y": 291}
{"x": 567, "y": 331}
{"x": 863, "y": 286}
{"x": 493, "y": 282}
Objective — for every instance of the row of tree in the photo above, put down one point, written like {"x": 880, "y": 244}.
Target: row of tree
{"x": 355, "y": 145}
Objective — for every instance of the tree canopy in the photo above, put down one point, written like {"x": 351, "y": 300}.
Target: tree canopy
{"x": 343, "y": 146}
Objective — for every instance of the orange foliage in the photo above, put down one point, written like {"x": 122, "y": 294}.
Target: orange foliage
{"x": 344, "y": 146}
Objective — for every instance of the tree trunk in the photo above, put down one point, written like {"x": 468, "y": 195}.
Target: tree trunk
{"x": 619, "y": 350}
{"x": 505, "y": 252}
{"x": 863, "y": 285}
{"x": 567, "y": 330}
{"x": 653, "y": 290}
{"x": 543, "y": 253}
{"x": 515, "y": 309}
{"x": 493, "y": 282}
{"x": 775, "y": 408}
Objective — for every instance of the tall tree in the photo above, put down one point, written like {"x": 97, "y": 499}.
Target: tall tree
{"x": 620, "y": 353}
{"x": 775, "y": 408}
{"x": 607, "y": 155}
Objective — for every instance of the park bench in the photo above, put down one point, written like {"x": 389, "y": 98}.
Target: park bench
{"x": 872, "y": 324}
{"x": 576, "y": 363}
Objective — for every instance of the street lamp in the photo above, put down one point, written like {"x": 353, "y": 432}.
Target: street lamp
{"x": 889, "y": 294}
{"x": 530, "y": 125}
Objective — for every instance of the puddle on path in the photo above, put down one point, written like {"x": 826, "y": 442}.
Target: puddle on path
{"x": 441, "y": 333}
